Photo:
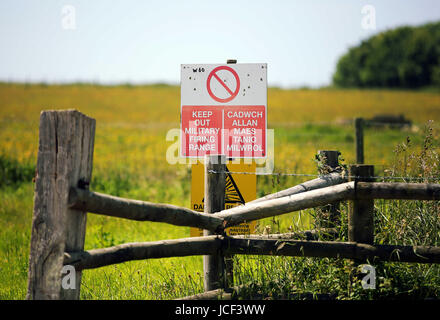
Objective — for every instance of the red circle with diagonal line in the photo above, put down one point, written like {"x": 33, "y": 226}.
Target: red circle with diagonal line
{"x": 232, "y": 94}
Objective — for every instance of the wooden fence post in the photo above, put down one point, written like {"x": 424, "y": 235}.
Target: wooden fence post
{"x": 361, "y": 212}
{"x": 229, "y": 258}
{"x": 65, "y": 157}
{"x": 215, "y": 181}
{"x": 359, "y": 129}
{"x": 329, "y": 162}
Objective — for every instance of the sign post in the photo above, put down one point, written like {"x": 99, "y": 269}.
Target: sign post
{"x": 223, "y": 112}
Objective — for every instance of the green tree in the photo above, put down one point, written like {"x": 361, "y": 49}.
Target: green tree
{"x": 405, "y": 57}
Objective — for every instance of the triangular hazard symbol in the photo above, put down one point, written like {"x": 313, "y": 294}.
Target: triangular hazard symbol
{"x": 232, "y": 194}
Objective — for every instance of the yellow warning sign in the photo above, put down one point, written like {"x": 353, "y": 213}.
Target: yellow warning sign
{"x": 240, "y": 188}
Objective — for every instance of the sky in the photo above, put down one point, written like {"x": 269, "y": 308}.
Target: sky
{"x": 110, "y": 42}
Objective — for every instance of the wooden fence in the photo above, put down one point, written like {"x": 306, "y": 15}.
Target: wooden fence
{"x": 62, "y": 199}
{"x": 391, "y": 121}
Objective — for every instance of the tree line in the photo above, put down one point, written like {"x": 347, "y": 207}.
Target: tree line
{"x": 405, "y": 57}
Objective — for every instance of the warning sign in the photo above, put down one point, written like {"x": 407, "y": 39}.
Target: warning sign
{"x": 202, "y": 129}
{"x": 236, "y": 131}
{"x": 240, "y": 188}
{"x": 246, "y": 134}
{"x": 232, "y": 193}
{"x": 231, "y": 88}
{"x": 224, "y": 110}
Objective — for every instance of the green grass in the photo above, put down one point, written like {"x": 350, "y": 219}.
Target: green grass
{"x": 397, "y": 222}
{"x": 12, "y": 172}
{"x": 129, "y": 161}
{"x": 15, "y": 219}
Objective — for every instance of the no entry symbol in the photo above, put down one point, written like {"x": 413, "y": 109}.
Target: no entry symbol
{"x": 228, "y": 87}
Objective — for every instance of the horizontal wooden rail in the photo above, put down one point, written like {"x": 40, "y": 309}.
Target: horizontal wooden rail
{"x": 143, "y": 250}
{"x": 99, "y": 203}
{"x": 301, "y": 201}
{"x": 321, "y": 182}
{"x": 306, "y": 234}
{"x": 217, "y": 294}
{"x": 332, "y": 249}
{"x": 319, "y": 197}
{"x": 393, "y": 190}
{"x": 241, "y": 245}
{"x": 162, "y": 249}
{"x": 85, "y": 200}
{"x": 249, "y": 290}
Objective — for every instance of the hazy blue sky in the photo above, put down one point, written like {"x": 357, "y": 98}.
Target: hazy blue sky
{"x": 146, "y": 41}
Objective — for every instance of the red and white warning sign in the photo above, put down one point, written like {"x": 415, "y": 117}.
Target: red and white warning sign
{"x": 224, "y": 110}
{"x": 201, "y": 130}
{"x": 231, "y": 88}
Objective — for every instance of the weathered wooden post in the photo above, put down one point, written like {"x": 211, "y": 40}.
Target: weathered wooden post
{"x": 359, "y": 129}
{"x": 360, "y": 215}
{"x": 361, "y": 212}
{"x": 328, "y": 161}
{"x": 65, "y": 158}
{"x": 229, "y": 259}
{"x": 215, "y": 180}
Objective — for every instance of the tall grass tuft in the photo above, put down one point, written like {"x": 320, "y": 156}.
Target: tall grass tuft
{"x": 403, "y": 222}
{"x": 13, "y": 172}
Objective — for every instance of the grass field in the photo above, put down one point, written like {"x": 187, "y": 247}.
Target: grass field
{"x": 129, "y": 161}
